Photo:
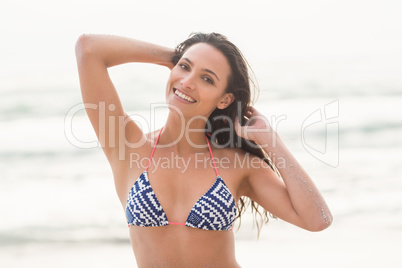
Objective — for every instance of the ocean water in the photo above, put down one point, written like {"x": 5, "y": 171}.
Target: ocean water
{"x": 335, "y": 98}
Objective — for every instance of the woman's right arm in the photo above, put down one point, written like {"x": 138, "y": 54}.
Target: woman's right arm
{"x": 95, "y": 54}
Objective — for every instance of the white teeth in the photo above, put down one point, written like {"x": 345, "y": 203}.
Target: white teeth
{"x": 181, "y": 95}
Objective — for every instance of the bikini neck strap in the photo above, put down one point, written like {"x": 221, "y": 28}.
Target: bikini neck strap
{"x": 212, "y": 156}
{"x": 153, "y": 150}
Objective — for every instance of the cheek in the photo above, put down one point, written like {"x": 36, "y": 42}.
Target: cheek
{"x": 211, "y": 101}
{"x": 172, "y": 77}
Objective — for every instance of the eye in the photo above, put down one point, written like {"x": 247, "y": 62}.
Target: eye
{"x": 208, "y": 80}
{"x": 184, "y": 66}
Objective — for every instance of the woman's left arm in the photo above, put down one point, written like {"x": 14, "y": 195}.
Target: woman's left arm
{"x": 295, "y": 198}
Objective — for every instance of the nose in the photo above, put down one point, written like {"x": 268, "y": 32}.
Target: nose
{"x": 188, "y": 81}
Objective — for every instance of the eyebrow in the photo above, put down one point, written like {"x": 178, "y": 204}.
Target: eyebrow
{"x": 206, "y": 70}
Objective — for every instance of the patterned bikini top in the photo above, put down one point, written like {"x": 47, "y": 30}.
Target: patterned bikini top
{"x": 215, "y": 210}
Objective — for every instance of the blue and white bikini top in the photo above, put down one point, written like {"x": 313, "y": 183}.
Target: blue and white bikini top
{"x": 215, "y": 210}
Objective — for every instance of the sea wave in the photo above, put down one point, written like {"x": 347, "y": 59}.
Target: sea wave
{"x": 51, "y": 101}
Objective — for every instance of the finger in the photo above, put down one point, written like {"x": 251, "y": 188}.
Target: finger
{"x": 252, "y": 109}
{"x": 240, "y": 130}
{"x": 249, "y": 111}
{"x": 237, "y": 126}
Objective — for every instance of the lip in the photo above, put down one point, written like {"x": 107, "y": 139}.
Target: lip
{"x": 185, "y": 101}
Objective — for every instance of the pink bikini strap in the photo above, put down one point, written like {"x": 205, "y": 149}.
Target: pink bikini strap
{"x": 156, "y": 142}
{"x": 213, "y": 160}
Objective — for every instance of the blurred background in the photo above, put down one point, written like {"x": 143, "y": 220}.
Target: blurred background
{"x": 331, "y": 70}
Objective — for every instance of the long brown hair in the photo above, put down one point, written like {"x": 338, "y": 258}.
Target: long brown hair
{"x": 222, "y": 119}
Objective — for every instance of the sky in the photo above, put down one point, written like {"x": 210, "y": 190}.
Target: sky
{"x": 38, "y": 37}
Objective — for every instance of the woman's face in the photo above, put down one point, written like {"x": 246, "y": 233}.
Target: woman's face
{"x": 197, "y": 83}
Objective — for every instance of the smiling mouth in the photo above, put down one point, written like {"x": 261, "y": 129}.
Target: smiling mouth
{"x": 183, "y": 96}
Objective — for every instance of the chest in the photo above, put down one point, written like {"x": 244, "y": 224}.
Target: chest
{"x": 178, "y": 190}
{"x": 179, "y": 184}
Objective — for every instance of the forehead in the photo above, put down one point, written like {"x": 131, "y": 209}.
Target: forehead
{"x": 206, "y": 56}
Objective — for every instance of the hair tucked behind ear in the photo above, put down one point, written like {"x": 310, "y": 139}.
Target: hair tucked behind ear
{"x": 222, "y": 119}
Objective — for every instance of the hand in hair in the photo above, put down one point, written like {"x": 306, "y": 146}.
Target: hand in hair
{"x": 255, "y": 127}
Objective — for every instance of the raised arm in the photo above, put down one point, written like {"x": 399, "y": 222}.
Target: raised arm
{"x": 293, "y": 197}
{"x": 95, "y": 54}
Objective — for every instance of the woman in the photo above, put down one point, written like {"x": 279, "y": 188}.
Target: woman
{"x": 181, "y": 215}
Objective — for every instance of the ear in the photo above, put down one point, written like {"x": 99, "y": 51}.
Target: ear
{"x": 227, "y": 99}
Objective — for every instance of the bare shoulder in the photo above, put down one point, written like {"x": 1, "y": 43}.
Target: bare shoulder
{"x": 132, "y": 162}
{"x": 152, "y": 135}
{"x": 135, "y": 144}
{"x": 136, "y": 154}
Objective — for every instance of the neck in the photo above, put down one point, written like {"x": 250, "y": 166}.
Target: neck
{"x": 184, "y": 136}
